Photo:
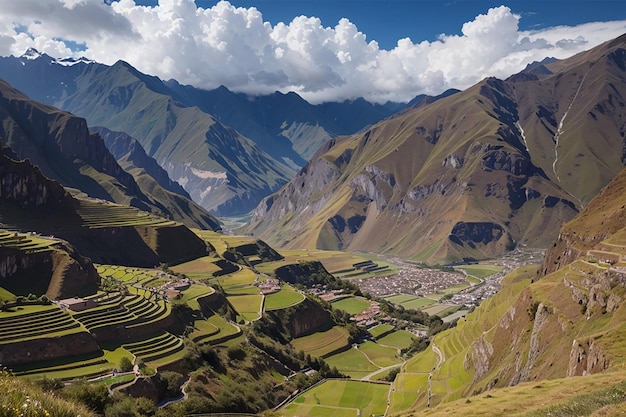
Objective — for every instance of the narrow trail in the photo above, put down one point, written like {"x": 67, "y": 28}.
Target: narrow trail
{"x": 439, "y": 353}
{"x": 559, "y": 131}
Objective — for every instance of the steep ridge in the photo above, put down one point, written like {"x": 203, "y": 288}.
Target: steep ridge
{"x": 154, "y": 181}
{"x": 472, "y": 174}
{"x": 568, "y": 323}
{"x": 61, "y": 145}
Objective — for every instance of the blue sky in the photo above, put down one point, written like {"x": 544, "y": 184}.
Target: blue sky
{"x": 386, "y": 21}
{"x": 324, "y": 50}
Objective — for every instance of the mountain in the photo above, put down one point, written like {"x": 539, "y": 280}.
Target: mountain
{"x": 227, "y": 150}
{"x": 153, "y": 180}
{"x": 468, "y": 176}
{"x": 285, "y": 125}
{"x": 556, "y": 326}
{"x": 62, "y": 146}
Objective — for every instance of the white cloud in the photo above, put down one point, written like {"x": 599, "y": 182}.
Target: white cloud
{"x": 235, "y": 47}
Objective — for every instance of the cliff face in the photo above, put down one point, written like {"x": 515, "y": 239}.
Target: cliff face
{"x": 59, "y": 272}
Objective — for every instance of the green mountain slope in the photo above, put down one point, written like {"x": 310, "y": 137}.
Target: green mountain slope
{"x": 563, "y": 322}
{"x": 468, "y": 176}
{"x": 153, "y": 180}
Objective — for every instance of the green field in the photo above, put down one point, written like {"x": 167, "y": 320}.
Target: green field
{"x": 352, "y": 362}
{"x": 287, "y": 296}
{"x": 382, "y": 356}
{"x": 190, "y": 295}
{"x": 379, "y": 330}
{"x": 399, "y": 339}
{"x": 340, "y": 398}
{"x": 248, "y": 306}
{"x": 322, "y": 343}
{"x": 407, "y": 389}
{"x": 238, "y": 282}
{"x": 352, "y": 305}
{"x": 441, "y": 310}
{"x": 198, "y": 268}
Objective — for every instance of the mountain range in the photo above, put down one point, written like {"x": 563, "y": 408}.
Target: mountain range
{"x": 227, "y": 150}
{"x": 467, "y": 175}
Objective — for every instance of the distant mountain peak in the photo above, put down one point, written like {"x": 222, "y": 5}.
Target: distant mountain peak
{"x": 31, "y": 53}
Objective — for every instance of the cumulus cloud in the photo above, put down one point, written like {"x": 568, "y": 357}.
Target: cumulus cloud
{"x": 235, "y": 47}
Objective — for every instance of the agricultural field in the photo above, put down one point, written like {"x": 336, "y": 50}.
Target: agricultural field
{"x": 337, "y": 263}
{"x": 240, "y": 282}
{"x": 407, "y": 389}
{"x": 97, "y": 214}
{"x": 320, "y": 344}
{"x": 380, "y": 330}
{"x": 247, "y": 306}
{"x": 190, "y": 295}
{"x": 381, "y": 356}
{"x": 400, "y": 339}
{"x": 441, "y": 310}
{"x": 26, "y": 242}
{"x": 351, "y": 305}
{"x": 158, "y": 350}
{"x": 287, "y": 296}
{"x": 340, "y": 398}
{"x": 352, "y": 362}
{"x": 201, "y": 268}
{"x": 222, "y": 242}
{"x": 204, "y": 330}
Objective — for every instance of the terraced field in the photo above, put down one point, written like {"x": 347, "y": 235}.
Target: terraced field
{"x": 205, "y": 330}
{"x": 36, "y": 322}
{"x": 320, "y": 344}
{"x": 96, "y": 214}
{"x": 131, "y": 311}
{"x": 286, "y": 297}
{"x": 159, "y": 350}
{"x": 26, "y": 242}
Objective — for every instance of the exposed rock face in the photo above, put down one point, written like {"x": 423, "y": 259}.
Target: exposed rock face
{"x": 23, "y": 184}
{"x": 58, "y": 273}
{"x": 586, "y": 357}
{"x": 476, "y": 233}
{"x": 482, "y": 350}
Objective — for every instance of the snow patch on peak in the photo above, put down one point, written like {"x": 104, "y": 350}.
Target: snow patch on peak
{"x": 31, "y": 54}
{"x": 68, "y": 62}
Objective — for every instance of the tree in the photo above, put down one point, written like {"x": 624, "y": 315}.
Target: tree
{"x": 126, "y": 365}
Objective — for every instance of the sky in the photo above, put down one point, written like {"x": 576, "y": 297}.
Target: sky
{"x": 324, "y": 50}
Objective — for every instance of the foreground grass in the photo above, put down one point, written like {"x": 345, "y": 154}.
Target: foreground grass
{"x": 22, "y": 398}
{"x": 577, "y": 396}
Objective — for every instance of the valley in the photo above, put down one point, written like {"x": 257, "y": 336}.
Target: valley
{"x": 174, "y": 251}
